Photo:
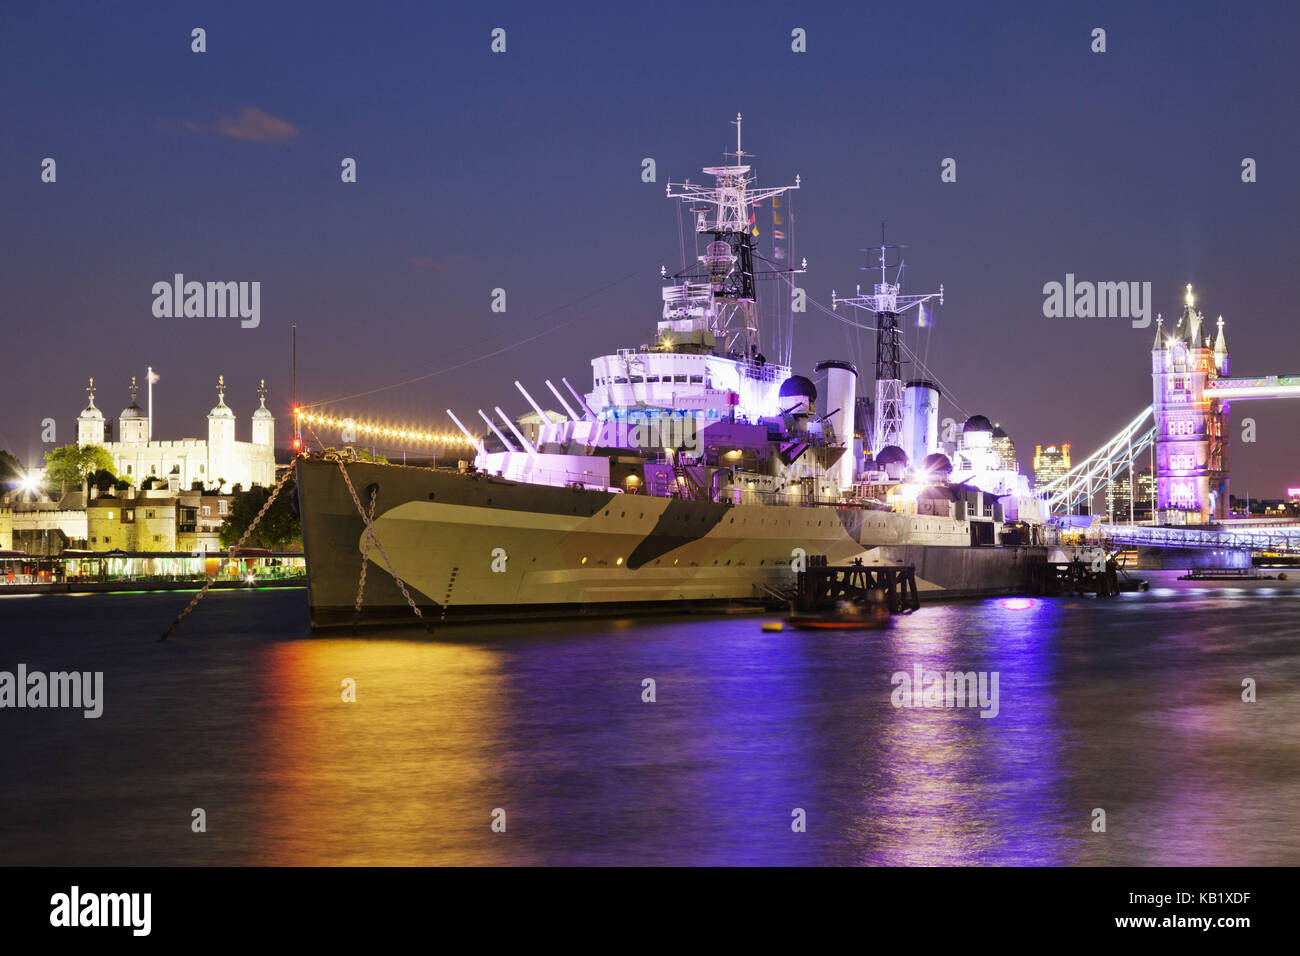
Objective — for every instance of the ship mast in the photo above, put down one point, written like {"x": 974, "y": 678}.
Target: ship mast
{"x": 724, "y": 211}
{"x": 887, "y": 303}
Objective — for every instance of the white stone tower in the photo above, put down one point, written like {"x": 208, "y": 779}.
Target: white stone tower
{"x": 221, "y": 437}
{"x": 133, "y": 423}
{"x": 90, "y": 423}
{"x": 263, "y": 420}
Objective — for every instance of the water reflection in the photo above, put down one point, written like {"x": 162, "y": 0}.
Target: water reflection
{"x": 958, "y": 788}
{"x": 391, "y": 778}
{"x": 1132, "y": 705}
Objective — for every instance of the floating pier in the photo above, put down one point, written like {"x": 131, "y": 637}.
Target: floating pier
{"x": 1084, "y": 571}
{"x": 852, "y": 595}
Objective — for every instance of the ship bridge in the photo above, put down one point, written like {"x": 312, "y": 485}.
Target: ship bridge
{"x": 710, "y": 386}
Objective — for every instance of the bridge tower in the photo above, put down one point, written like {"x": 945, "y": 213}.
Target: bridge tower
{"x": 1191, "y": 424}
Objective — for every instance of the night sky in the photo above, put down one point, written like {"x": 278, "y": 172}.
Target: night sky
{"x": 522, "y": 170}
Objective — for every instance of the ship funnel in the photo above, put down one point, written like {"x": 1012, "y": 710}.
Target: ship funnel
{"x": 841, "y": 400}
{"x": 920, "y": 419}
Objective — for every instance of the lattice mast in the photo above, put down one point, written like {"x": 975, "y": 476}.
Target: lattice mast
{"x": 887, "y": 303}
{"x": 724, "y": 211}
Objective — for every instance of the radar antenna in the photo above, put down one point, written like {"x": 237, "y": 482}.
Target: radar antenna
{"x": 720, "y": 285}
{"x": 887, "y": 303}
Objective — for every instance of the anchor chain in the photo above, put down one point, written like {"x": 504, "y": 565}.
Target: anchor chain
{"x": 370, "y": 533}
{"x": 365, "y": 562}
{"x": 233, "y": 548}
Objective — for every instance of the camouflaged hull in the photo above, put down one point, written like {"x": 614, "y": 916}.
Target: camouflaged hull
{"x": 477, "y": 548}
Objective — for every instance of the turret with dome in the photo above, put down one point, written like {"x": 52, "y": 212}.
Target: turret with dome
{"x": 90, "y": 423}
{"x": 133, "y": 423}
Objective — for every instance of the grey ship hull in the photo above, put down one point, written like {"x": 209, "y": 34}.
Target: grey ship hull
{"x": 476, "y": 548}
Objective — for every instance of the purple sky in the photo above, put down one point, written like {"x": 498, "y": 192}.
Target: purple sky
{"x": 522, "y": 170}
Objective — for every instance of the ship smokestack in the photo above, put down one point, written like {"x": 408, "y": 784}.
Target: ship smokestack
{"x": 841, "y": 401}
{"x": 920, "y": 419}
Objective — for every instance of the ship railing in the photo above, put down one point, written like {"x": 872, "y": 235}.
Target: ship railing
{"x": 565, "y": 479}
{"x": 765, "y": 372}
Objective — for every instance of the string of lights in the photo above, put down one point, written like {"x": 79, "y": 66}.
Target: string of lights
{"x": 377, "y": 430}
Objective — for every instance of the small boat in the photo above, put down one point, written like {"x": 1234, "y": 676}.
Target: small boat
{"x": 846, "y": 615}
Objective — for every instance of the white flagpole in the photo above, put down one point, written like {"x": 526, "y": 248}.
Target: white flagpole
{"x": 149, "y": 379}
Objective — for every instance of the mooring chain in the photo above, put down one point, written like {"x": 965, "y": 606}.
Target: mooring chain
{"x": 233, "y": 548}
{"x": 365, "y": 561}
{"x": 370, "y": 531}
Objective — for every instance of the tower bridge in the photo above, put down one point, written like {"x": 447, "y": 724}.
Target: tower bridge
{"x": 1183, "y": 433}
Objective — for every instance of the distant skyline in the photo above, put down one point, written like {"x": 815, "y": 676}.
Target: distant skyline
{"x": 522, "y": 170}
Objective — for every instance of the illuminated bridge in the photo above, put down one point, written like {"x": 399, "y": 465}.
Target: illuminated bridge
{"x": 1283, "y": 540}
{"x": 1183, "y": 434}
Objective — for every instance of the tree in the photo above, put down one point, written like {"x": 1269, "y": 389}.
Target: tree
{"x": 73, "y": 465}
{"x": 11, "y": 469}
{"x": 103, "y": 479}
{"x": 279, "y": 529}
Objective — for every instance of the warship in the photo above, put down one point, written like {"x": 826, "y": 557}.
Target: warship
{"x": 693, "y": 474}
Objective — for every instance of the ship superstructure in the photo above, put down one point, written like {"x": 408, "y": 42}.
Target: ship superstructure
{"x": 692, "y": 471}
{"x": 698, "y": 412}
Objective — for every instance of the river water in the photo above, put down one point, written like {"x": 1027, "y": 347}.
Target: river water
{"x": 1131, "y": 705}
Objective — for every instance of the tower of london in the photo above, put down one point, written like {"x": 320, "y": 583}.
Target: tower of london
{"x": 217, "y": 464}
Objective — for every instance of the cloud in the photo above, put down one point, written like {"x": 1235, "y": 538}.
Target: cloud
{"x": 253, "y": 124}
{"x": 250, "y": 124}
